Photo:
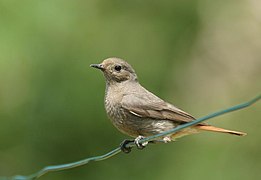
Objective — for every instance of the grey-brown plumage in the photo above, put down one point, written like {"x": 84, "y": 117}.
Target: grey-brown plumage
{"x": 137, "y": 112}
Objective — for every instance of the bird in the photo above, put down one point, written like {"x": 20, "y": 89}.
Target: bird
{"x": 137, "y": 112}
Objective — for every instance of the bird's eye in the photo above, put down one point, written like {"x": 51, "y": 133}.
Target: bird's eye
{"x": 117, "y": 67}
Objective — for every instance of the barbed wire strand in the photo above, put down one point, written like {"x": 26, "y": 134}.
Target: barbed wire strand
{"x": 116, "y": 151}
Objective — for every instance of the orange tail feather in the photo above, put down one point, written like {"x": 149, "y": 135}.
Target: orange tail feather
{"x": 216, "y": 129}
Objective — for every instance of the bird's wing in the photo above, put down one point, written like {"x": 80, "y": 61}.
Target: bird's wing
{"x": 150, "y": 106}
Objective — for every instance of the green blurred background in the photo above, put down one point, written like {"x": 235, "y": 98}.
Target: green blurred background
{"x": 200, "y": 55}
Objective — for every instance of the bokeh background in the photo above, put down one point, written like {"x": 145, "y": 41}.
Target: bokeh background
{"x": 200, "y": 55}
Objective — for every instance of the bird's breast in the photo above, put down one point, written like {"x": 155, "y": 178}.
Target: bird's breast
{"x": 114, "y": 109}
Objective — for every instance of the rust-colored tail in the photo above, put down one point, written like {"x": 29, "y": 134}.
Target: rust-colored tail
{"x": 216, "y": 129}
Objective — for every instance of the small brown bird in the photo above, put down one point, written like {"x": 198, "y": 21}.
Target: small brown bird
{"x": 137, "y": 112}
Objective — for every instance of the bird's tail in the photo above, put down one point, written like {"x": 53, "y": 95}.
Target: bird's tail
{"x": 216, "y": 129}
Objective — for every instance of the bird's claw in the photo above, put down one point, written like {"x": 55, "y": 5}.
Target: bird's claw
{"x": 124, "y": 147}
{"x": 138, "y": 144}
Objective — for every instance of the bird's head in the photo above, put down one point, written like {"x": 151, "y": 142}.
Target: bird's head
{"x": 116, "y": 70}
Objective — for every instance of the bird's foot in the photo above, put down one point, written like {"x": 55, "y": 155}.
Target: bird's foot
{"x": 124, "y": 147}
{"x": 138, "y": 144}
{"x": 166, "y": 139}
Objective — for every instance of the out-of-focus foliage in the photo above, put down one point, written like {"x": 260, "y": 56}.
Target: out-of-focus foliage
{"x": 199, "y": 55}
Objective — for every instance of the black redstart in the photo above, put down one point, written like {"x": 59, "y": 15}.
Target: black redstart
{"x": 139, "y": 113}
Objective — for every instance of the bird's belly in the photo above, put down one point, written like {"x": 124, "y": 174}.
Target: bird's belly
{"x": 148, "y": 127}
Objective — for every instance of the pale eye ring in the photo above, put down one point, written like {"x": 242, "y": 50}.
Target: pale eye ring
{"x": 117, "y": 68}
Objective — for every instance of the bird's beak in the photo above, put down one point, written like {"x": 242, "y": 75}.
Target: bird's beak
{"x": 98, "y": 66}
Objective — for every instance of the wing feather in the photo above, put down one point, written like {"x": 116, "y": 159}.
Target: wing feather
{"x": 151, "y": 106}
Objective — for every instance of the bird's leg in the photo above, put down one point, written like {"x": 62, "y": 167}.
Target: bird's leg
{"x": 123, "y": 146}
{"x": 138, "y": 144}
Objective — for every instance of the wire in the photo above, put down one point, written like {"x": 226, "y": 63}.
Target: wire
{"x": 116, "y": 151}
